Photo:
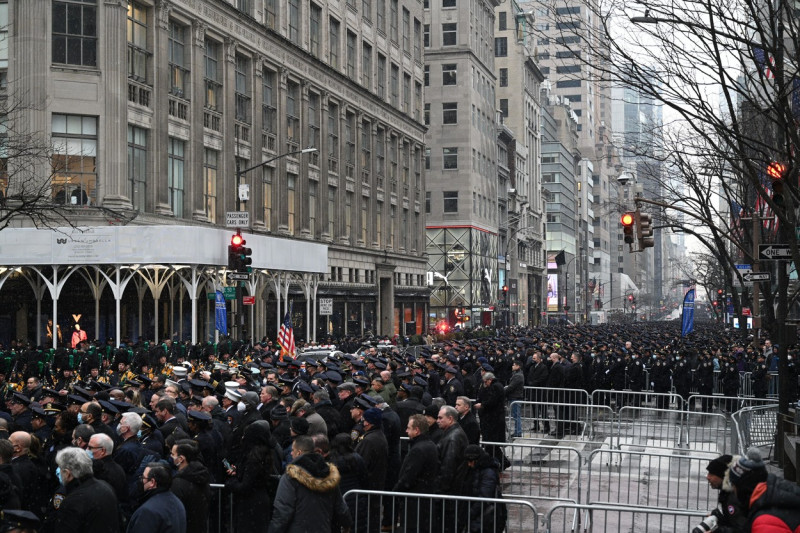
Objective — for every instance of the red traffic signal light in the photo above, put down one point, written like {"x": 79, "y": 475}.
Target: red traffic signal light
{"x": 719, "y": 292}
{"x": 627, "y": 219}
{"x": 776, "y": 170}
{"x": 237, "y": 240}
{"x": 505, "y": 288}
{"x": 630, "y": 297}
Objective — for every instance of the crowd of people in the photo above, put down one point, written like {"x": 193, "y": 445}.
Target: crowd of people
{"x": 146, "y": 437}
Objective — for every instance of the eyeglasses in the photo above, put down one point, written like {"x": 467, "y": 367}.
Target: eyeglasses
{"x": 94, "y": 447}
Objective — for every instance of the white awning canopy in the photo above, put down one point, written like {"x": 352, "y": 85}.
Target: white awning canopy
{"x": 166, "y": 245}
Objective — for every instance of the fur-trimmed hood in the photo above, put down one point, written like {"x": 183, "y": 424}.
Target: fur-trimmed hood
{"x": 311, "y": 471}
{"x": 726, "y": 481}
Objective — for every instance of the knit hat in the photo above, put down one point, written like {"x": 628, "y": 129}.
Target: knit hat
{"x": 250, "y": 398}
{"x": 373, "y": 416}
{"x": 472, "y": 452}
{"x": 279, "y": 413}
{"x": 719, "y": 465}
{"x": 299, "y": 426}
{"x": 749, "y": 470}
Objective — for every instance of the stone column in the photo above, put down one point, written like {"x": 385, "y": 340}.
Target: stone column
{"x": 194, "y": 178}
{"x": 256, "y": 142}
{"x": 322, "y": 188}
{"x": 279, "y": 189}
{"x": 158, "y": 141}
{"x": 113, "y": 129}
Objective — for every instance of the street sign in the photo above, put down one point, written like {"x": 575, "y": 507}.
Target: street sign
{"x": 774, "y": 251}
{"x": 237, "y": 219}
{"x": 238, "y": 276}
{"x": 248, "y": 300}
{"x": 326, "y": 306}
{"x": 757, "y": 276}
{"x": 228, "y": 292}
{"x": 742, "y": 269}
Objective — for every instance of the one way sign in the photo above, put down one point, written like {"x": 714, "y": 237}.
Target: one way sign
{"x": 774, "y": 251}
{"x": 757, "y": 276}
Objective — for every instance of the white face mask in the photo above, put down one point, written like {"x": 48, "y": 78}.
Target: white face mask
{"x": 241, "y": 407}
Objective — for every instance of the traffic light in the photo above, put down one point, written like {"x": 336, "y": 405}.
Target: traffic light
{"x": 235, "y": 252}
{"x": 504, "y": 294}
{"x": 644, "y": 230}
{"x": 627, "y": 227}
{"x": 630, "y": 298}
{"x": 777, "y": 171}
{"x": 244, "y": 258}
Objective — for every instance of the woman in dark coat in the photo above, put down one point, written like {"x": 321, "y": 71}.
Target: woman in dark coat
{"x": 491, "y": 407}
{"x": 251, "y": 483}
{"x": 191, "y": 484}
{"x": 480, "y": 478}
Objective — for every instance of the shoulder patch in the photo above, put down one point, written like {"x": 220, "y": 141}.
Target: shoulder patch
{"x": 57, "y": 500}
{"x": 731, "y": 510}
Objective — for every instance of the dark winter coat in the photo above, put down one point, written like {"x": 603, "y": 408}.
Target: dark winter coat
{"x": 253, "y": 485}
{"x": 331, "y": 416}
{"x": 420, "y": 469}
{"x": 89, "y": 505}
{"x": 107, "y": 470}
{"x": 515, "y": 390}
{"x": 308, "y": 498}
{"x": 492, "y": 413}
{"x": 482, "y": 481}
{"x": 469, "y": 424}
{"x": 160, "y": 512}
{"x": 374, "y": 448}
{"x": 451, "y": 447}
{"x": 191, "y": 486}
{"x": 775, "y": 506}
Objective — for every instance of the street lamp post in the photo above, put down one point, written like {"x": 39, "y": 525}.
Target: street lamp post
{"x": 237, "y": 204}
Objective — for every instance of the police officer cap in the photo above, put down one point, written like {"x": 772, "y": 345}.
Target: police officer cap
{"x": 38, "y": 412}
{"x": 108, "y": 407}
{"x": 361, "y": 381}
{"x": 20, "y": 398}
{"x": 198, "y": 415}
{"x": 362, "y": 404}
{"x": 450, "y": 369}
{"x": 11, "y": 519}
{"x": 419, "y": 380}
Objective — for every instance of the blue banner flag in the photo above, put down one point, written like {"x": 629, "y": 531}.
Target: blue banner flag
{"x": 688, "y": 313}
{"x": 221, "y": 313}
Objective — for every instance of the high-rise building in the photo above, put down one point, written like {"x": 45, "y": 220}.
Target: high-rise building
{"x": 154, "y": 110}
{"x": 461, "y": 201}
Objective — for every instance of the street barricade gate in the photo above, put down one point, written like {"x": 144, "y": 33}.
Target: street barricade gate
{"x": 540, "y": 471}
{"x": 756, "y": 426}
{"x": 621, "y": 398}
{"x": 597, "y": 518}
{"x": 439, "y": 513}
{"x": 674, "y": 480}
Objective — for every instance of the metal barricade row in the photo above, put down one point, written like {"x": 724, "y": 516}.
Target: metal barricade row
{"x": 596, "y": 518}
{"x": 546, "y": 394}
{"x": 756, "y": 426}
{"x": 540, "y": 471}
{"x": 670, "y": 480}
{"x": 652, "y": 428}
{"x": 220, "y": 510}
{"x": 621, "y": 398}
{"x": 439, "y": 513}
{"x": 545, "y": 418}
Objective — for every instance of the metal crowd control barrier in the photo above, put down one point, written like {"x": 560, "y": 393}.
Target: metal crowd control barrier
{"x": 635, "y": 478}
{"x": 710, "y": 432}
{"x": 540, "y": 471}
{"x": 654, "y": 428}
{"x": 604, "y": 518}
{"x": 439, "y": 513}
{"x": 772, "y": 391}
{"x": 756, "y": 426}
{"x": 545, "y": 394}
{"x": 582, "y": 421}
{"x": 745, "y": 384}
{"x": 709, "y": 404}
{"x": 620, "y": 398}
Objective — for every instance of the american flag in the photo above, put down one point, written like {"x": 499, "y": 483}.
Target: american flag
{"x": 761, "y": 62}
{"x": 286, "y": 335}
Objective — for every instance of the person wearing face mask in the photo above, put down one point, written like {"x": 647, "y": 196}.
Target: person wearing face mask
{"x": 191, "y": 484}
{"x": 91, "y": 413}
{"x": 104, "y": 468}
{"x": 128, "y": 454}
{"x": 88, "y": 504}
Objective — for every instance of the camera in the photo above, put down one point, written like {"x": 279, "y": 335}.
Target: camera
{"x": 709, "y": 523}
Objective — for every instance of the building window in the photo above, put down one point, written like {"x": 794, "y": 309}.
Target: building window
{"x": 366, "y": 147}
{"x": 138, "y": 53}
{"x": 392, "y": 215}
{"x": 242, "y": 76}
{"x": 294, "y": 21}
{"x": 293, "y": 113}
{"x": 313, "y": 123}
{"x": 333, "y": 135}
{"x": 407, "y": 93}
{"x": 449, "y": 34}
{"x": 427, "y": 114}
{"x": 269, "y": 107}
{"x": 312, "y": 208}
{"x": 212, "y": 75}
{"x": 500, "y": 47}
{"x": 503, "y": 77}
{"x": 75, "y": 32}
{"x": 270, "y": 14}
{"x": 348, "y": 215}
{"x": 382, "y": 77}
{"x": 427, "y": 158}
{"x": 267, "y": 182}
{"x": 428, "y": 203}
{"x": 380, "y": 156}
{"x": 379, "y": 223}
{"x": 245, "y": 6}
{"x": 4, "y": 66}
{"x": 417, "y": 100}
{"x": 175, "y": 176}
{"x": 178, "y": 60}
{"x": 449, "y": 74}
{"x": 450, "y": 158}
{"x": 314, "y": 27}
{"x": 562, "y": 84}
{"x": 364, "y": 213}
{"x": 426, "y": 75}
{"x": 137, "y": 167}
{"x": 417, "y": 40}
{"x": 504, "y": 107}
{"x": 366, "y": 10}
{"x": 393, "y": 19}
{"x": 502, "y": 23}
{"x": 332, "y": 211}
{"x": 395, "y": 85}
{"x": 291, "y": 198}
{"x": 450, "y": 113}
{"x": 448, "y": 3}
{"x": 366, "y": 66}
{"x": 351, "y": 55}
{"x": 450, "y": 204}
{"x": 426, "y": 35}
{"x": 350, "y": 144}
{"x": 333, "y": 43}
{"x": 406, "y": 31}
{"x": 380, "y": 9}
{"x": 210, "y": 184}
{"x": 74, "y": 180}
